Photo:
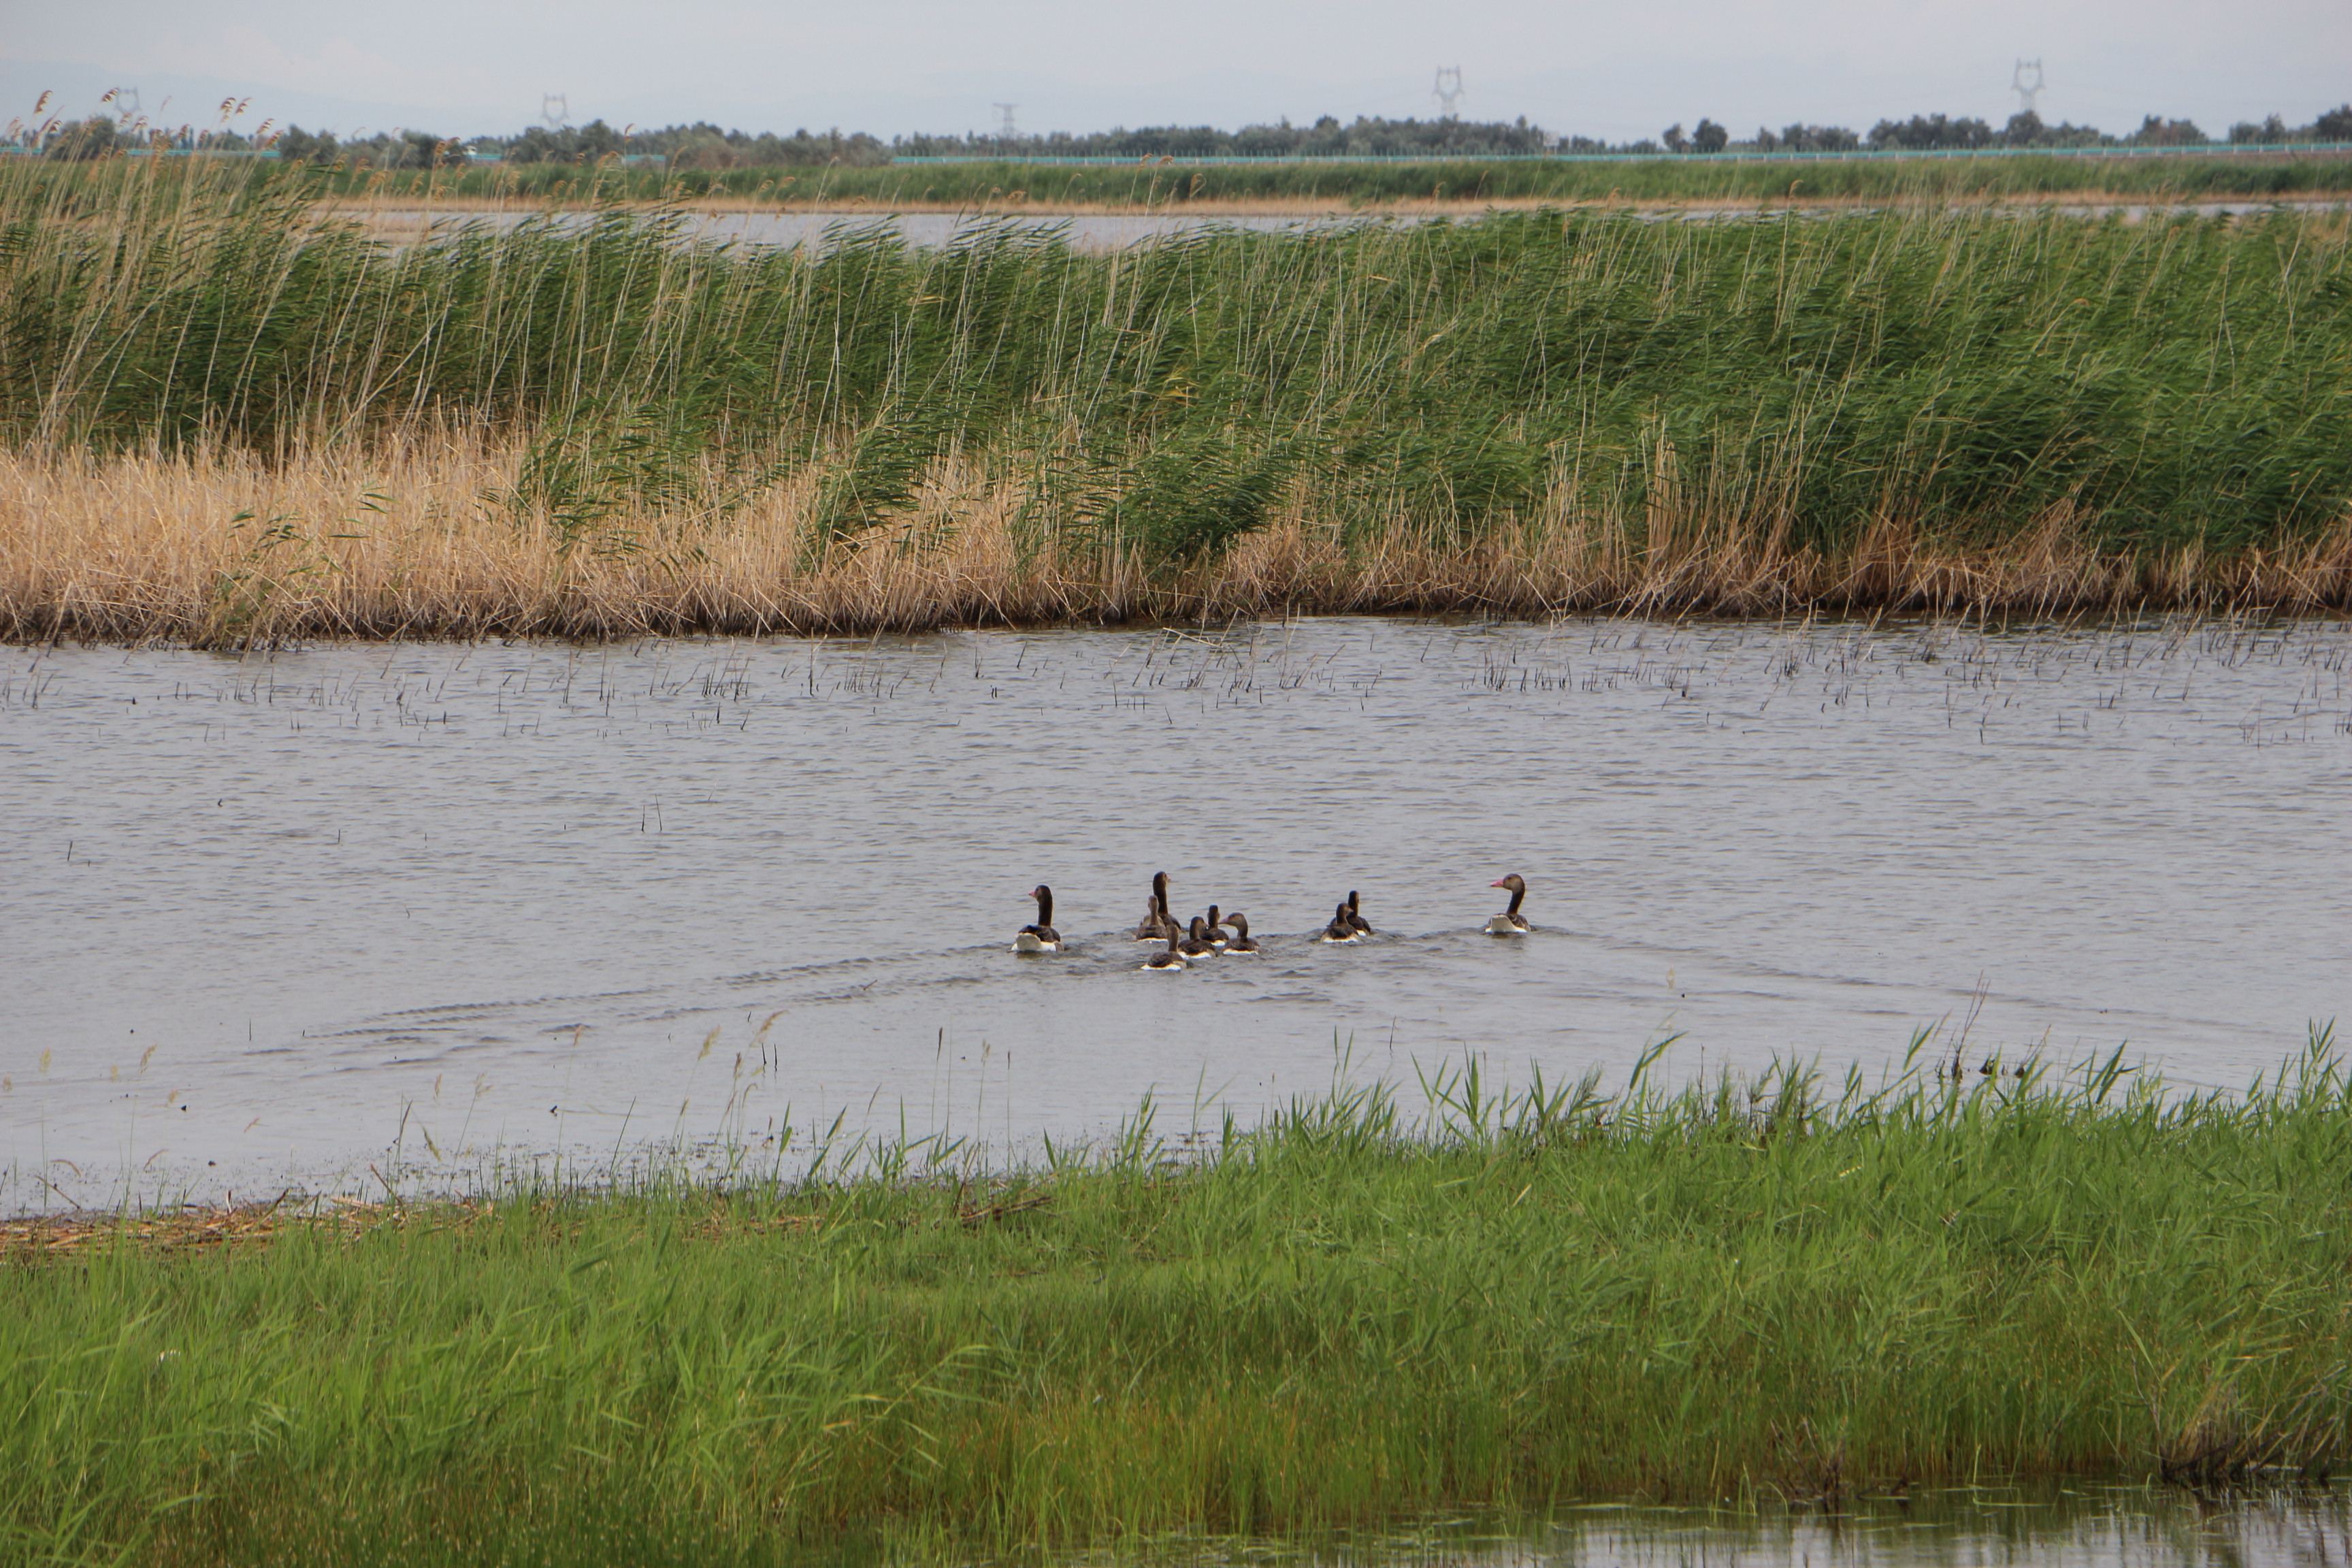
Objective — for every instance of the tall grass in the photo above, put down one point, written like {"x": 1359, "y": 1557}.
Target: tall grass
{"x": 1733, "y": 1291}
{"x": 1912, "y": 405}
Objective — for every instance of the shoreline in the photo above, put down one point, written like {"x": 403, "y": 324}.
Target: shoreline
{"x": 1307, "y": 208}
{"x": 557, "y": 623}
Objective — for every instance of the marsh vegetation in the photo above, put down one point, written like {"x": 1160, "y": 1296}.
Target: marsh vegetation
{"x": 839, "y": 180}
{"x": 1776, "y": 1289}
{"x": 226, "y": 416}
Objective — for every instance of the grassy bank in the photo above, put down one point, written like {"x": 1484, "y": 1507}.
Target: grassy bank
{"x": 224, "y": 418}
{"x": 1526, "y": 1299}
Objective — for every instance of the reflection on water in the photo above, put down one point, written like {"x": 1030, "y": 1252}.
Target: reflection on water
{"x": 268, "y": 918}
{"x": 1114, "y": 230}
{"x": 2074, "y": 1527}
{"x": 821, "y": 230}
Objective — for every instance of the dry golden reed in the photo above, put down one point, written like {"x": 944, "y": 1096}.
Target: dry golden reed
{"x": 412, "y": 538}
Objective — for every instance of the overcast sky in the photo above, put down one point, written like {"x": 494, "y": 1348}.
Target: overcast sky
{"x": 1599, "y": 67}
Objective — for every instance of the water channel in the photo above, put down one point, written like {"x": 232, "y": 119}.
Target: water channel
{"x": 2077, "y": 1525}
{"x": 271, "y": 919}
{"x": 1118, "y": 230}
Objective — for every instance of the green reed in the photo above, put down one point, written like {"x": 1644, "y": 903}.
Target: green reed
{"x": 1735, "y": 1290}
{"x": 1150, "y": 184}
{"x": 2166, "y": 384}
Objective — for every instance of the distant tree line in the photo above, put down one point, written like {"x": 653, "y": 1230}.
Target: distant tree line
{"x": 385, "y": 150}
{"x": 703, "y": 145}
{"x": 1326, "y": 138}
{"x": 1938, "y": 132}
{"x": 2027, "y": 129}
{"x": 706, "y": 146}
{"x": 79, "y": 140}
{"x": 700, "y": 145}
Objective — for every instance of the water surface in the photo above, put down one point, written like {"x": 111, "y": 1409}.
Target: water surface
{"x": 272, "y": 918}
{"x": 1117, "y": 230}
{"x": 2072, "y": 1526}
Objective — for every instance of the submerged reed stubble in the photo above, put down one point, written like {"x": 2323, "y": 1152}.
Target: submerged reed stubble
{"x": 1724, "y": 1293}
{"x": 224, "y": 419}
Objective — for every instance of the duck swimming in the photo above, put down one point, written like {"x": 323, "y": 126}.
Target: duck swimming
{"x": 1342, "y": 928}
{"x": 1040, "y": 937}
{"x": 1243, "y": 942}
{"x": 1216, "y": 933}
{"x": 1157, "y": 923}
{"x": 1364, "y": 927}
{"x": 1510, "y": 922}
{"x": 1197, "y": 944}
{"x": 1169, "y": 959}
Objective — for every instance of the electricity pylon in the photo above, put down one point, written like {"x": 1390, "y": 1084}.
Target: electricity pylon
{"x": 2026, "y": 83}
{"x": 1449, "y": 89}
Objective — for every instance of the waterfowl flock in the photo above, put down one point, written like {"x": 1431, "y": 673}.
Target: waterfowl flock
{"x": 1182, "y": 944}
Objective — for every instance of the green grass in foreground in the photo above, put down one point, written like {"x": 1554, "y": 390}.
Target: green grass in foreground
{"x": 1724, "y": 1292}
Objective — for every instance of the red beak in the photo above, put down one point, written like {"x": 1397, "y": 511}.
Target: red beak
{"x": 1493, "y": 884}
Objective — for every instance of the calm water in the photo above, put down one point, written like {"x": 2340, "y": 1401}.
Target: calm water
{"x": 1114, "y": 230}
{"x": 2072, "y": 1528}
{"x": 1085, "y": 231}
{"x": 271, "y": 919}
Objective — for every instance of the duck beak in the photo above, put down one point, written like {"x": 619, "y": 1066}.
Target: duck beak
{"x": 1493, "y": 884}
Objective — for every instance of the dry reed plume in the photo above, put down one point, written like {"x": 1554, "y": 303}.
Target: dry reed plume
{"x": 221, "y": 548}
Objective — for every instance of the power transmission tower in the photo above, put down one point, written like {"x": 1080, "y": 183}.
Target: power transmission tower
{"x": 126, "y": 104}
{"x": 1449, "y": 89}
{"x": 1004, "y": 123}
{"x": 555, "y": 109}
{"x": 2026, "y": 83}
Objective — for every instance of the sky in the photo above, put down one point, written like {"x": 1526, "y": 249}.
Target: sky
{"x": 1612, "y": 69}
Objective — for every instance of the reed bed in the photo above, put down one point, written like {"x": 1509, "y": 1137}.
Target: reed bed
{"x": 221, "y": 549}
{"x": 226, "y": 416}
{"x": 1738, "y": 1291}
{"x": 1366, "y": 182}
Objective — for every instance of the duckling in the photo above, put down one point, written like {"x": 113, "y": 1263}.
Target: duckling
{"x": 1197, "y": 945}
{"x": 1156, "y": 923}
